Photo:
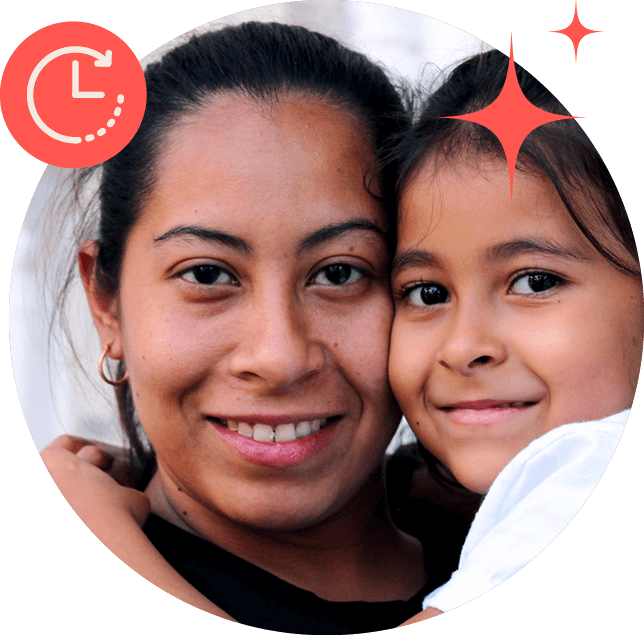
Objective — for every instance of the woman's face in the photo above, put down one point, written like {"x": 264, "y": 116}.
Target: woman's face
{"x": 508, "y": 322}
{"x": 254, "y": 309}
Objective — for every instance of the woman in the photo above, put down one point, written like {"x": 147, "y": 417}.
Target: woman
{"x": 241, "y": 277}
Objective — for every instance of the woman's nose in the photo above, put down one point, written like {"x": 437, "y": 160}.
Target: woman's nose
{"x": 472, "y": 341}
{"x": 276, "y": 348}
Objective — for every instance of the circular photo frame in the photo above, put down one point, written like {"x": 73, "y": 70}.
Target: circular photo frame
{"x": 62, "y": 393}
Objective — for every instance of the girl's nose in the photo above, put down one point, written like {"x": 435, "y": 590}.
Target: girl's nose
{"x": 472, "y": 341}
{"x": 276, "y": 349}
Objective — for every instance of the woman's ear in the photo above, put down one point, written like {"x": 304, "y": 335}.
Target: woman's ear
{"x": 102, "y": 306}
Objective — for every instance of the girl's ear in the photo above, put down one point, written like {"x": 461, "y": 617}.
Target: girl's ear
{"x": 103, "y": 307}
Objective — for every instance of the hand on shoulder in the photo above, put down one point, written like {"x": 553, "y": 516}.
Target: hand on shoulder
{"x": 430, "y": 611}
{"x": 82, "y": 471}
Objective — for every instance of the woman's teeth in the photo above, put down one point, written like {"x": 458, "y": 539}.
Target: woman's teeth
{"x": 281, "y": 433}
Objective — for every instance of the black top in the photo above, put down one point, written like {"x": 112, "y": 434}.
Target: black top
{"x": 257, "y": 598}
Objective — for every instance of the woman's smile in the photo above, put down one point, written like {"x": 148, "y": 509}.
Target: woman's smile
{"x": 287, "y": 444}
{"x": 270, "y": 429}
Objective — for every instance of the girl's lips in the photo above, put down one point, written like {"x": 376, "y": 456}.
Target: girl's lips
{"x": 484, "y": 412}
{"x": 484, "y": 404}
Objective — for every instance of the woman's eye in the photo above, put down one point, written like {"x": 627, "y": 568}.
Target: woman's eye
{"x": 338, "y": 275}
{"x": 537, "y": 282}
{"x": 207, "y": 274}
{"x": 428, "y": 295}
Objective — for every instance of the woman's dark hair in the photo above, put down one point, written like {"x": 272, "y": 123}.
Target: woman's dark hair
{"x": 560, "y": 151}
{"x": 257, "y": 61}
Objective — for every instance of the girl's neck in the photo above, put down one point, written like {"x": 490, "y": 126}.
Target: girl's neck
{"x": 333, "y": 558}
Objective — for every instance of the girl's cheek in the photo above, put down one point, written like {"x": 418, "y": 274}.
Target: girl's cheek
{"x": 405, "y": 373}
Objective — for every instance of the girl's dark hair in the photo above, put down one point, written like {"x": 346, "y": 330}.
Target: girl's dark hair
{"x": 258, "y": 61}
{"x": 560, "y": 151}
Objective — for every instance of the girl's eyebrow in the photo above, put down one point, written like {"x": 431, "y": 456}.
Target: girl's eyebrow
{"x": 414, "y": 258}
{"x": 503, "y": 251}
{"x": 521, "y": 246}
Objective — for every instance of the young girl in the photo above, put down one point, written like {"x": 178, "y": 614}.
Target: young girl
{"x": 516, "y": 319}
{"x": 517, "y": 340}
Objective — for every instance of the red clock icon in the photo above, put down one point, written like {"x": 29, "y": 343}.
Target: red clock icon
{"x": 73, "y": 94}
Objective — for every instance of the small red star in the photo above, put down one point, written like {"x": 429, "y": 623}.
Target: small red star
{"x": 511, "y": 117}
{"x": 576, "y": 31}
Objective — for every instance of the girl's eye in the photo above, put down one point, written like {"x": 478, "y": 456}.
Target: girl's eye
{"x": 207, "y": 274}
{"x": 427, "y": 295}
{"x": 536, "y": 282}
{"x": 337, "y": 275}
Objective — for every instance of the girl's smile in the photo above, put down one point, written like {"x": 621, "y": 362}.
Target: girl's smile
{"x": 484, "y": 412}
{"x": 508, "y": 322}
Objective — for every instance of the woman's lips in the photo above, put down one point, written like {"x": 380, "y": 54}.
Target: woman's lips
{"x": 279, "y": 433}
{"x": 281, "y": 444}
{"x": 484, "y": 412}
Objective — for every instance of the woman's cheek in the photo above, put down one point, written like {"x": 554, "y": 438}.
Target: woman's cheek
{"x": 169, "y": 356}
{"x": 375, "y": 335}
{"x": 361, "y": 350}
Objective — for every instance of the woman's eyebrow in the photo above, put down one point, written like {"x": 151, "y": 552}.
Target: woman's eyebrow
{"x": 211, "y": 235}
{"x": 322, "y": 235}
{"x": 329, "y": 232}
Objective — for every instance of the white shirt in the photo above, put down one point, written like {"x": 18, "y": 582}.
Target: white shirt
{"x": 533, "y": 498}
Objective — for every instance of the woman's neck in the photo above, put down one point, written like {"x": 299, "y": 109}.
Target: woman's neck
{"x": 333, "y": 558}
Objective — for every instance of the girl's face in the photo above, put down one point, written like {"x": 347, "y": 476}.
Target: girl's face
{"x": 508, "y": 322}
{"x": 254, "y": 315}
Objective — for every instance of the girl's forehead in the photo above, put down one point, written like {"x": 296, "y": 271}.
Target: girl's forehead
{"x": 463, "y": 216}
{"x": 474, "y": 199}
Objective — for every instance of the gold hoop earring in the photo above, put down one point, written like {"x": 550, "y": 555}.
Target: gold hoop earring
{"x": 104, "y": 377}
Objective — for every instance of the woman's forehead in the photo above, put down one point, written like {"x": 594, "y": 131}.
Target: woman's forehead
{"x": 295, "y": 164}
{"x": 272, "y": 127}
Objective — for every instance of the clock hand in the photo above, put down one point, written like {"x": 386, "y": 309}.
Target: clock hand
{"x": 76, "y": 93}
